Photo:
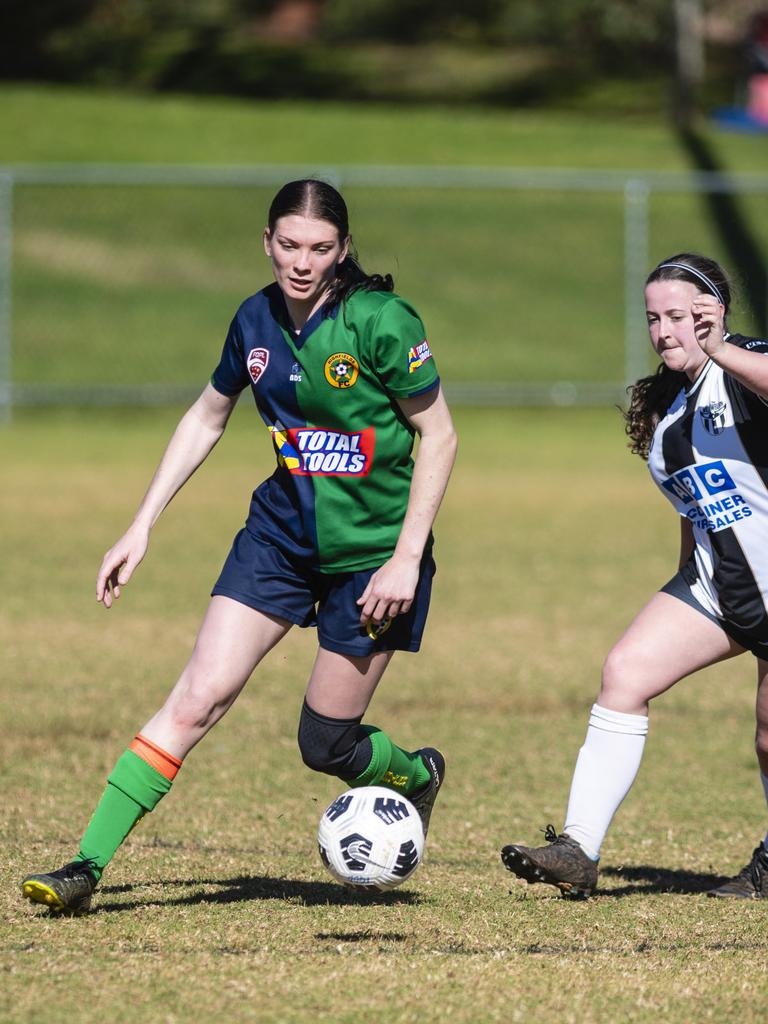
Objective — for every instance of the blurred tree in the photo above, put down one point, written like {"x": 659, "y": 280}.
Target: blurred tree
{"x": 581, "y": 29}
{"x": 25, "y": 28}
{"x": 411, "y": 21}
{"x": 534, "y": 51}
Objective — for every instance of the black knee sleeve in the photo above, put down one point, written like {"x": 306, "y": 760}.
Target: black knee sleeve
{"x": 335, "y": 746}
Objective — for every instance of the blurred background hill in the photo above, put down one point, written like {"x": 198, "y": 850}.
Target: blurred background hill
{"x": 614, "y": 54}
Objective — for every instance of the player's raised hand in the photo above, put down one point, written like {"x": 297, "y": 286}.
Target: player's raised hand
{"x": 118, "y": 564}
{"x": 708, "y": 323}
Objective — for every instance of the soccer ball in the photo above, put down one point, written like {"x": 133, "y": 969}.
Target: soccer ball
{"x": 371, "y": 838}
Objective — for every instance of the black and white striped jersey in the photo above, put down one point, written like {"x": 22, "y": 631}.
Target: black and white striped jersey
{"x": 709, "y": 456}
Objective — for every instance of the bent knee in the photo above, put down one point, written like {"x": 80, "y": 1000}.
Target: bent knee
{"x": 194, "y": 705}
{"x": 619, "y": 670}
{"x": 624, "y": 680}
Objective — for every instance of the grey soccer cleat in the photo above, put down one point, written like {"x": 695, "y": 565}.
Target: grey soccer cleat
{"x": 424, "y": 799}
{"x": 751, "y": 883}
{"x": 563, "y": 863}
{"x": 67, "y": 891}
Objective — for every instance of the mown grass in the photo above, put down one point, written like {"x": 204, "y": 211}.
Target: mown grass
{"x": 218, "y": 907}
{"x": 47, "y": 123}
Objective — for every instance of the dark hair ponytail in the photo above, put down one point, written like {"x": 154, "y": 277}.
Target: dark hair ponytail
{"x": 310, "y": 197}
{"x": 651, "y": 397}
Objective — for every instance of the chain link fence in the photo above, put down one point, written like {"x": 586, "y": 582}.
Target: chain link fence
{"x": 117, "y": 283}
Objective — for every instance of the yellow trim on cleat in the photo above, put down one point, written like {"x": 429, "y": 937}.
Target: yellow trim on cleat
{"x": 39, "y": 893}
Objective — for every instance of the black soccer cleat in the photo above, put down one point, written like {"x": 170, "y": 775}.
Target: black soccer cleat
{"x": 751, "y": 883}
{"x": 67, "y": 891}
{"x": 563, "y": 864}
{"x": 424, "y": 798}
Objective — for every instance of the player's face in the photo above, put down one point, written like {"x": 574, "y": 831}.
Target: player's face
{"x": 671, "y": 325}
{"x": 304, "y": 253}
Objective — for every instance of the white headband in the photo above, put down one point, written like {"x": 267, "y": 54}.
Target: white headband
{"x": 696, "y": 273}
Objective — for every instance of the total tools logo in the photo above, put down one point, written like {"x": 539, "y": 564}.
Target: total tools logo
{"x": 313, "y": 451}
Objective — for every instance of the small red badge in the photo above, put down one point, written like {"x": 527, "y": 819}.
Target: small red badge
{"x": 258, "y": 359}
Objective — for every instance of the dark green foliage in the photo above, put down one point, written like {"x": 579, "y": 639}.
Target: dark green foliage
{"x": 531, "y": 51}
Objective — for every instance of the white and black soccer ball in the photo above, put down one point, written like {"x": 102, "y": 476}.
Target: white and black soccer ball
{"x": 371, "y": 838}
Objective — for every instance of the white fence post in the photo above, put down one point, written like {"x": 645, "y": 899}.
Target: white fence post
{"x": 636, "y": 192}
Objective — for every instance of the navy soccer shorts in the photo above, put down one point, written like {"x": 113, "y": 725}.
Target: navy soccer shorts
{"x": 258, "y": 574}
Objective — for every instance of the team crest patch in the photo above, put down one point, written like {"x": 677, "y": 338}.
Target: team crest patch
{"x": 258, "y": 360}
{"x": 418, "y": 355}
{"x": 341, "y": 370}
{"x": 375, "y": 630}
{"x": 713, "y": 417}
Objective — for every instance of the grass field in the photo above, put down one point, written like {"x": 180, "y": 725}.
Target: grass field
{"x": 117, "y": 286}
{"x": 42, "y": 123}
{"x": 218, "y": 908}
{"x": 551, "y": 537}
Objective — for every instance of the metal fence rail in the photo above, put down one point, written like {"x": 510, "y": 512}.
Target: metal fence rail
{"x": 636, "y": 188}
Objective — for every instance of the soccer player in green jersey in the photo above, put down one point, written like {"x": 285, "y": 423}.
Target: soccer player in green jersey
{"x": 339, "y": 537}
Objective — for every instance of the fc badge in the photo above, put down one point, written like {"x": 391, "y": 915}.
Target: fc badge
{"x": 341, "y": 370}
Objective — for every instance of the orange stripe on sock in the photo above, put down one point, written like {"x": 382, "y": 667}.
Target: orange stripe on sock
{"x": 159, "y": 759}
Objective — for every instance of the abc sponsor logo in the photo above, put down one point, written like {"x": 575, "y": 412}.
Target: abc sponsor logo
{"x": 698, "y": 482}
{"x": 697, "y": 486}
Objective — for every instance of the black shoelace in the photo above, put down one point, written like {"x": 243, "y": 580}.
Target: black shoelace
{"x": 76, "y": 867}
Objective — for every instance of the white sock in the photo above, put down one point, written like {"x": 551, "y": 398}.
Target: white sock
{"x": 764, "y": 780}
{"x": 605, "y": 770}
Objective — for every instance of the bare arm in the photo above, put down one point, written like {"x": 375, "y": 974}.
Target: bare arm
{"x": 391, "y": 589}
{"x": 749, "y": 368}
{"x": 193, "y": 440}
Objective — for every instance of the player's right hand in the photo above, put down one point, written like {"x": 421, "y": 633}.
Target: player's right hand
{"x": 119, "y": 562}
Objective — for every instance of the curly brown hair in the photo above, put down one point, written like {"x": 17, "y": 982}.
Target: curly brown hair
{"x": 651, "y": 397}
{"x": 649, "y": 400}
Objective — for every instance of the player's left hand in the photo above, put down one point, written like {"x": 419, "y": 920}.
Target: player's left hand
{"x": 390, "y": 590}
{"x": 708, "y": 323}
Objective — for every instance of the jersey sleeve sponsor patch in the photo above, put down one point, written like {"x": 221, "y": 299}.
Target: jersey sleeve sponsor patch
{"x": 399, "y": 351}
{"x": 418, "y": 355}
{"x": 315, "y": 451}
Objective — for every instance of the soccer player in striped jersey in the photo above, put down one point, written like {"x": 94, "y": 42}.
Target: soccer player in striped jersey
{"x": 701, "y": 421}
{"x": 339, "y": 537}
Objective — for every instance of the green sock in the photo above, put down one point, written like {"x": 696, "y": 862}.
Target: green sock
{"x": 391, "y": 766}
{"x": 133, "y": 788}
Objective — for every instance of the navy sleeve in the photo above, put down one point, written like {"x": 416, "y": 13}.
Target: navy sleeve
{"x": 231, "y": 375}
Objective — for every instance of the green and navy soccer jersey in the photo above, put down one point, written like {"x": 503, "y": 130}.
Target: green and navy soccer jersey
{"x": 328, "y": 398}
